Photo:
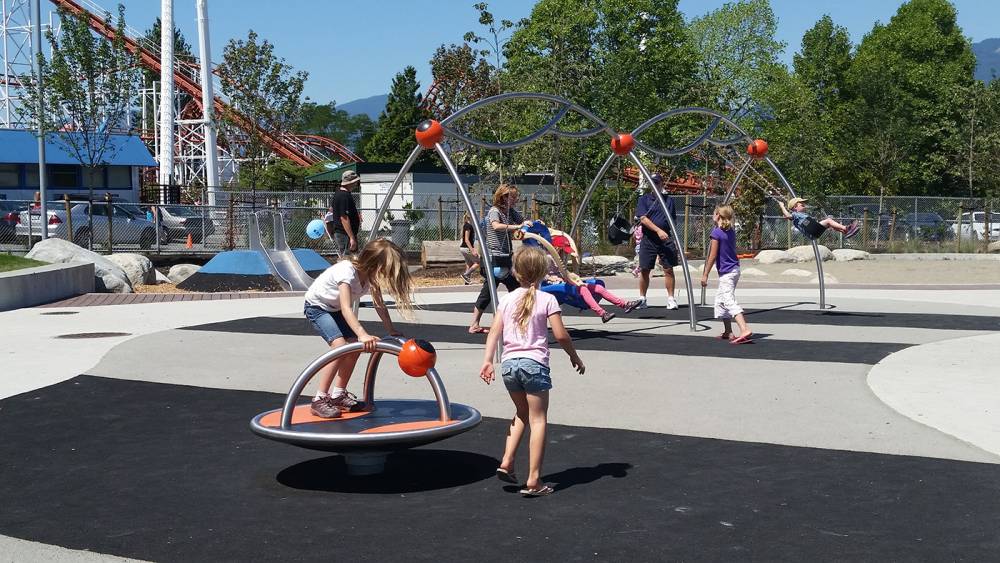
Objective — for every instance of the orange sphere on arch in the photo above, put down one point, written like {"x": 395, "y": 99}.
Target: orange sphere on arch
{"x": 758, "y": 148}
{"x": 417, "y": 357}
{"x": 622, "y": 144}
{"x": 429, "y": 133}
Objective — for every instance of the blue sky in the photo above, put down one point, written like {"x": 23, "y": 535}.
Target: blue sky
{"x": 353, "y": 49}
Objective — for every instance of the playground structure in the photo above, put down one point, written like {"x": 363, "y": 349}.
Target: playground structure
{"x": 366, "y": 438}
{"x": 431, "y": 134}
{"x": 280, "y": 259}
{"x": 190, "y": 151}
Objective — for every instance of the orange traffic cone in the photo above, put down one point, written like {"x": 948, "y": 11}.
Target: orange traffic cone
{"x": 190, "y": 243}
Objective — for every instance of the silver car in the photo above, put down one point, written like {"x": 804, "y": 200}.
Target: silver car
{"x": 126, "y": 227}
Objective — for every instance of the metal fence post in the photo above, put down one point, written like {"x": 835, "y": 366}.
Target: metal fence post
{"x": 440, "y": 218}
{"x": 156, "y": 227}
{"x": 111, "y": 213}
{"x": 687, "y": 213}
{"x": 69, "y": 219}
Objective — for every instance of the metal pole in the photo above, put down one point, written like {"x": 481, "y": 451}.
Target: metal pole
{"x": 166, "y": 94}
{"x": 36, "y": 52}
{"x": 373, "y": 234}
{"x": 207, "y": 104}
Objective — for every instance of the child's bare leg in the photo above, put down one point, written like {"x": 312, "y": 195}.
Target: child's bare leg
{"x": 345, "y": 369}
{"x": 831, "y": 223}
{"x": 326, "y": 373}
{"x": 744, "y": 327}
{"x": 516, "y": 430}
{"x": 538, "y": 408}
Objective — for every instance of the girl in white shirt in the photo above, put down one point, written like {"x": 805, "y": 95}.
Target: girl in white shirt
{"x": 329, "y": 306}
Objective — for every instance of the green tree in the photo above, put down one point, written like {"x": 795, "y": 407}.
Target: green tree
{"x": 89, "y": 85}
{"x": 265, "y": 98}
{"x": 737, "y": 54}
{"x": 823, "y": 62}
{"x": 907, "y": 118}
{"x": 151, "y": 40}
{"x": 461, "y": 76}
{"x": 354, "y": 131}
{"x": 393, "y": 139}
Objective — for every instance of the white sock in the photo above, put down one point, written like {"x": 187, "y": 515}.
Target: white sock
{"x": 320, "y": 395}
{"x": 337, "y": 391}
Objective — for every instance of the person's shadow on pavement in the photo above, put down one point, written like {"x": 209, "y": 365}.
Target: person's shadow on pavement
{"x": 583, "y": 475}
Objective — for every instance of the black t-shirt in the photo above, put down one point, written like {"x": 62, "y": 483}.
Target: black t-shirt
{"x": 467, "y": 228}
{"x": 344, "y": 206}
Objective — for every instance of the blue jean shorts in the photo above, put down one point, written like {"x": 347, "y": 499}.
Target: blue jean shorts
{"x": 330, "y": 326}
{"x": 525, "y": 375}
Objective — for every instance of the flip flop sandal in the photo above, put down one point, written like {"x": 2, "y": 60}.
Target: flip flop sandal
{"x": 506, "y": 476}
{"x": 540, "y": 492}
{"x": 741, "y": 340}
{"x": 725, "y": 336}
{"x": 480, "y": 330}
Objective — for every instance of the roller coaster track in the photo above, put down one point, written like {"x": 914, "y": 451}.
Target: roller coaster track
{"x": 303, "y": 150}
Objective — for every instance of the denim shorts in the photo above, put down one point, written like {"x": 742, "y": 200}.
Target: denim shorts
{"x": 330, "y": 326}
{"x": 525, "y": 375}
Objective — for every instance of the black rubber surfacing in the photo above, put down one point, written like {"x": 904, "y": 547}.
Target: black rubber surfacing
{"x": 172, "y": 473}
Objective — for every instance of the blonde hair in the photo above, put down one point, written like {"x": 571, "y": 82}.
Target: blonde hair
{"x": 725, "y": 216}
{"x": 383, "y": 263}
{"x": 530, "y": 267}
{"x": 503, "y": 191}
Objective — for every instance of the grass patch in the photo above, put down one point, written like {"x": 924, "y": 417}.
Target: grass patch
{"x": 9, "y": 262}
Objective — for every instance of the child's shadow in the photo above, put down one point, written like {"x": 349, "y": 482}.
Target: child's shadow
{"x": 581, "y": 475}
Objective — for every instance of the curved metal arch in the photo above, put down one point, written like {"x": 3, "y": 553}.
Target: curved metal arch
{"x": 705, "y": 137}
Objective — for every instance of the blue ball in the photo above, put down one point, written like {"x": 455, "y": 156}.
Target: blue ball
{"x": 315, "y": 229}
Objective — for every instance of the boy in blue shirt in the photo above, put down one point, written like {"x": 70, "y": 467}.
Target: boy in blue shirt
{"x": 656, "y": 242}
{"x": 796, "y": 213}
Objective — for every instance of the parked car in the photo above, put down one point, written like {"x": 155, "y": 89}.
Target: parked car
{"x": 877, "y": 223}
{"x": 127, "y": 228}
{"x": 9, "y": 218}
{"x": 182, "y": 220}
{"x": 928, "y": 226}
{"x": 974, "y": 225}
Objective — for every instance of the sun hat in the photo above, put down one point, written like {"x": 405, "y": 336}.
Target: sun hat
{"x": 795, "y": 201}
{"x": 349, "y": 177}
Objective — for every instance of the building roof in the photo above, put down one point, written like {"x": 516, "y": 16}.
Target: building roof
{"x": 20, "y": 146}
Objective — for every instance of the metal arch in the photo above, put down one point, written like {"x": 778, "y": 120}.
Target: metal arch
{"x": 382, "y": 346}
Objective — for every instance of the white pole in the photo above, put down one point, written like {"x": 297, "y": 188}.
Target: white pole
{"x": 207, "y": 103}
{"x": 166, "y": 96}
{"x": 36, "y": 50}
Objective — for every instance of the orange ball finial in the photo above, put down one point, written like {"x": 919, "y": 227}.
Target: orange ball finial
{"x": 758, "y": 148}
{"x": 622, "y": 144}
{"x": 417, "y": 357}
{"x": 429, "y": 133}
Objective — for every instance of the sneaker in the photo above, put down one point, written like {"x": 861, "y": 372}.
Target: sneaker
{"x": 631, "y": 305}
{"x": 323, "y": 407}
{"x": 642, "y": 304}
{"x": 671, "y": 303}
{"x": 467, "y": 278}
{"x": 348, "y": 402}
{"x": 852, "y": 230}
{"x": 607, "y": 317}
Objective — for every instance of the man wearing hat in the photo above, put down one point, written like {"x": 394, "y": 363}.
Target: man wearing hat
{"x": 656, "y": 241}
{"x": 345, "y": 214}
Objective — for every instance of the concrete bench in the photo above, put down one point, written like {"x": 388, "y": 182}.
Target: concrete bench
{"x": 440, "y": 253}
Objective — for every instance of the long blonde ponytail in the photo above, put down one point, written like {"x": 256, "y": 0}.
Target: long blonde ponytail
{"x": 530, "y": 267}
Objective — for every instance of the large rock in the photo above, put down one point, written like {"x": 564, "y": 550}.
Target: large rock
{"x": 774, "y": 257}
{"x": 752, "y": 272}
{"x": 138, "y": 268}
{"x": 993, "y": 247}
{"x": 109, "y": 277}
{"x": 181, "y": 272}
{"x": 797, "y": 272}
{"x": 805, "y": 253}
{"x": 849, "y": 254}
{"x": 827, "y": 279}
{"x": 608, "y": 262}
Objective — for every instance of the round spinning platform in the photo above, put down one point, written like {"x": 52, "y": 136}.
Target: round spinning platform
{"x": 366, "y": 437}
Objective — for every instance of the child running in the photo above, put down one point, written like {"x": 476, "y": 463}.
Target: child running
{"x": 329, "y": 307}
{"x": 722, "y": 254}
{"x": 521, "y": 319}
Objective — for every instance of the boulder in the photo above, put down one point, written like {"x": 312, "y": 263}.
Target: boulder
{"x": 805, "y": 253}
{"x": 752, "y": 272}
{"x": 692, "y": 270}
{"x": 608, "y": 262}
{"x": 993, "y": 247}
{"x": 161, "y": 277}
{"x": 181, "y": 272}
{"x": 827, "y": 279}
{"x": 774, "y": 257}
{"x": 848, "y": 254}
{"x": 138, "y": 268}
{"x": 798, "y": 273}
{"x": 109, "y": 277}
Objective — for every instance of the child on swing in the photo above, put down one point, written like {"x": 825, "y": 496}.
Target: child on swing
{"x": 722, "y": 255}
{"x": 588, "y": 290}
{"x": 796, "y": 213}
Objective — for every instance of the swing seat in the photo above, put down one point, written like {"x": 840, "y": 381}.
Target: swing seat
{"x": 569, "y": 294}
{"x": 539, "y": 229}
{"x": 812, "y": 228}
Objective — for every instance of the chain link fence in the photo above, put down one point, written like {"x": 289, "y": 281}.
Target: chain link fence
{"x": 890, "y": 224}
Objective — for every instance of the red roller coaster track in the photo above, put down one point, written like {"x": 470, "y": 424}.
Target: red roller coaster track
{"x": 300, "y": 149}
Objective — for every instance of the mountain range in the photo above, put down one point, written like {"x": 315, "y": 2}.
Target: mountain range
{"x": 987, "y": 54}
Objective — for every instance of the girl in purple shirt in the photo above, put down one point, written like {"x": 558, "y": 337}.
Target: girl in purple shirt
{"x": 722, "y": 254}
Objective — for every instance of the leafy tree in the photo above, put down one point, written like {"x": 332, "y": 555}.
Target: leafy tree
{"x": 980, "y": 152}
{"x": 89, "y": 85}
{"x": 151, "y": 40}
{"x": 283, "y": 174}
{"x": 461, "y": 76}
{"x": 907, "y": 118}
{"x": 738, "y": 52}
{"x": 393, "y": 138}
{"x": 354, "y": 131}
{"x": 495, "y": 41}
{"x": 823, "y": 62}
{"x": 265, "y": 98}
